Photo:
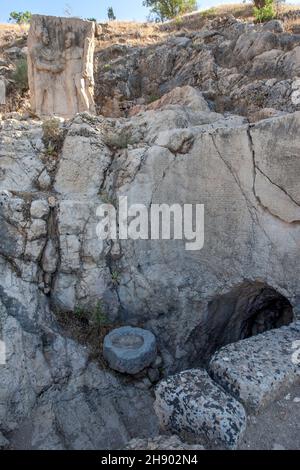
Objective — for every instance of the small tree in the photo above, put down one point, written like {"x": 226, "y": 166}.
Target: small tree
{"x": 168, "y": 9}
{"x": 262, "y": 3}
{"x": 265, "y": 12}
{"x": 110, "y": 14}
{"x": 20, "y": 17}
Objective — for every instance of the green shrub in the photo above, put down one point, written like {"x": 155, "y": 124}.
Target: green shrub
{"x": 118, "y": 140}
{"x": 168, "y": 9}
{"x": 50, "y": 150}
{"x": 153, "y": 98}
{"x": 265, "y": 13}
{"x": 115, "y": 277}
{"x": 20, "y": 75}
{"x": 53, "y": 136}
{"x": 79, "y": 312}
{"x": 20, "y": 17}
{"x": 93, "y": 314}
{"x": 98, "y": 315}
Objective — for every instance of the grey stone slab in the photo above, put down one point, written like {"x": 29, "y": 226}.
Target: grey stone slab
{"x": 260, "y": 369}
{"x": 192, "y": 403}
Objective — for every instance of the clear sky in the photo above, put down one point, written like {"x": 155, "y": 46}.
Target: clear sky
{"x": 124, "y": 9}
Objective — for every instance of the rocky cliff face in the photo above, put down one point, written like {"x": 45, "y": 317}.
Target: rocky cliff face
{"x": 240, "y": 67}
{"x": 175, "y": 150}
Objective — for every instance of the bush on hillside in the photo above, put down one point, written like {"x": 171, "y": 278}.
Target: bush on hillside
{"x": 163, "y": 10}
{"x": 20, "y": 17}
{"x": 266, "y": 12}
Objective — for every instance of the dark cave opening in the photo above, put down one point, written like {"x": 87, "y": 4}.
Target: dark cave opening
{"x": 246, "y": 310}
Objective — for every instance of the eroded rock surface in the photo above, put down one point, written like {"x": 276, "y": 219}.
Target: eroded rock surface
{"x": 51, "y": 396}
{"x": 181, "y": 148}
{"x": 172, "y": 154}
{"x": 240, "y": 66}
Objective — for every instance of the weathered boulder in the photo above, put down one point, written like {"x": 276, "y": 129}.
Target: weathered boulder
{"x": 39, "y": 209}
{"x": 44, "y": 181}
{"x": 191, "y": 403}
{"x": 14, "y": 53}
{"x": 83, "y": 140}
{"x": 22, "y": 141}
{"x": 276, "y": 26}
{"x": 183, "y": 96}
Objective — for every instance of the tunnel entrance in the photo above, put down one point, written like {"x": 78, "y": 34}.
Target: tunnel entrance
{"x": 247, "y": 310}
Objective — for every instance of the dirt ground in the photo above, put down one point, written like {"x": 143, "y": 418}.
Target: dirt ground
{"x": 277, "y": 427}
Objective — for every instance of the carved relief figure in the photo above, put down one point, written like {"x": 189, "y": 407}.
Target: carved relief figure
{"x": 78, "y": 79}
{"x": 47, "y": 62}
{"x": 60, "y": 65}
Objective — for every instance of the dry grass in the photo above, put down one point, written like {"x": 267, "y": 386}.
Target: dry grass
{"x": 288, "y": 7}
{"x": 11, "y": 34}
{"x": 244, "y": 10}
{"x": 85, "y": 333}
{"x": 292, "y": 25}
{"x": 241, "y": 10}
{"x": 13, "y": 27}
{"x": 130, "y": 33}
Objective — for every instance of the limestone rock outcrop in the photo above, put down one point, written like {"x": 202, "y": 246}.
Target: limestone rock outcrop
{"x": 241, "y": 67}
{"x": 175, "y": 150}
{"x": 52, "y": 396}
{"x": 191, "y": 300}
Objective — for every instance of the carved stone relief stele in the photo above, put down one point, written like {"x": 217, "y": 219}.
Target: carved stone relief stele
{"x": 60, "y": 66}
